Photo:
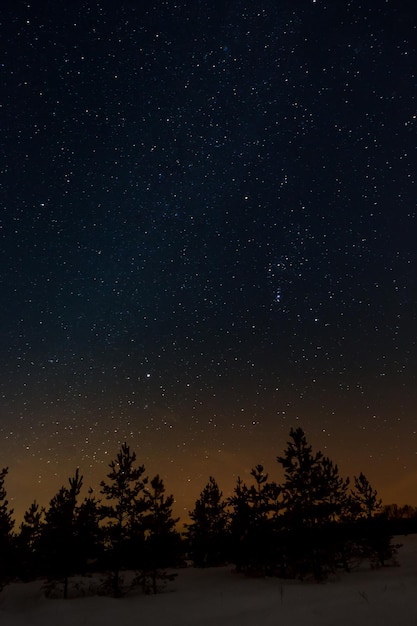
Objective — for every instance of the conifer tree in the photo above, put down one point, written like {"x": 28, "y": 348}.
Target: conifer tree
{"x": 314, "y": 492}
{"x": 262, "y": 535}
{"x": 241, "y": 519}
{"x": 258, "y": 495}
{"x": 365, "y": 498}
{"x": 315, "y": 499}
{"x": 89, "y": 536}
{"x": 300, "y": 486}
{"x": 162, "y": 542}
{"x": 254, "y": 513}
{"x": 207, "y": 532}
{"x": 374, "y": 537}
{"x": 58, "y": 540}
{"x": 124, "y": 514}
{"x": 31, "y": 527}
{"x": 332, "y": 493}
{"x": 28, "y": 542}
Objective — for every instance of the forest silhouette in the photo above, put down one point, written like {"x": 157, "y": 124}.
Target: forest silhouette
{"x": 308, "y": 527}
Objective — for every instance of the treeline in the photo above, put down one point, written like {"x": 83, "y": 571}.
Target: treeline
{"x": 130, "y": 528}
{"x": 311, "y": 525}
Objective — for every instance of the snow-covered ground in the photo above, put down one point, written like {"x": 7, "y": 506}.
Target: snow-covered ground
{"x": 220, "y": 597}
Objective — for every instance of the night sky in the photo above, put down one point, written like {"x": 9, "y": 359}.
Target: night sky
{"x": 208, "y": 236}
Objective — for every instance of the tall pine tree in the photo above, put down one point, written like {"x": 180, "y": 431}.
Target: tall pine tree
{"x": 162, "y": 541}
{"x": 254, "y": 514}
{"x": 315, "y": 499}
{"x": 88, "y": 533}
{"x": 366, "y": 503}
{"x": 28, "y": 542}
{"x": 373, "y": 530}
{"x": 58, "y": 545}
{"x": 124, "y": 530}
{"x": 240, "y": 523}
{"x": 207, "y": 533}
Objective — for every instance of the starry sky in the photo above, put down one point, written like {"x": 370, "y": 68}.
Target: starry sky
{"x": 208, "y": 236}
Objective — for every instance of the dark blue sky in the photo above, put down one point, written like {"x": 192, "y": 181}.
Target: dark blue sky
{"x": 207, "y": 235}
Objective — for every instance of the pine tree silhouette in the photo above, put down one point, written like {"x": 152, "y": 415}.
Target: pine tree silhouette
{"x": 373, "y": 531}
{"x": 207, "y": 534}
{"x": 241, "y": 520}
{"x": 89, "y": 535}
{"x": 162, "y": 542}
{"x": 365, "y": 498}
{"x": 124, "y": 529}
{"x": 28, "y": 542}
{"x": 315, "y": 499}
{"x": 58, "y": 545}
